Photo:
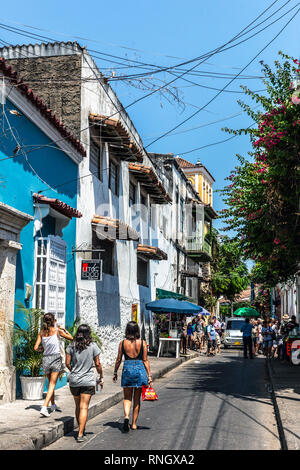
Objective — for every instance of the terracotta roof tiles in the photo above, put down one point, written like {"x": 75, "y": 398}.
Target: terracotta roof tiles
{"x": 58, "y": 205}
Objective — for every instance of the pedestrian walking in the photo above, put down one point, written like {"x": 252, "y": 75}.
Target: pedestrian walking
{"x": 284, "y": 333}
{"x": 81, "y": 357}
{"x": 189, "y": 335}
{"x": 135, "y": 374}
{"x": 194, "y": 334}
{"x": 223, "y": 329}
{"x": 246, "y": 329}
{"x": 211, "y": 339}
{"x": 48, "y": 340}
{"x": 268, "y": 335}
{"x": 218, "y": 343}
{"x": 199, "y": 331}
{"x": 254, "y": 337}
{"x": 183, "y": 335}
{"x": 277, "y": 341}
{"x": 259, "y": 347}
{"x": 217, "y": 325}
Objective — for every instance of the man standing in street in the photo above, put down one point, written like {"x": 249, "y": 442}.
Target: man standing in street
{"x": 211, "y": 339}
{"x": 246, "y": 329}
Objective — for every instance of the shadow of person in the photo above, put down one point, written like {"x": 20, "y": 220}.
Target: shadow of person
{"x": 33, "y": 407}
{"x": 119, "y": 425}
{"x": 115, "y": 425}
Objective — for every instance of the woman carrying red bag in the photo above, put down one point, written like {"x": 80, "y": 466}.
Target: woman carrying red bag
{"x": 136, "y": 371}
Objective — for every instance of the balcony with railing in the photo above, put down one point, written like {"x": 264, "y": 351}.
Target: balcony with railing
{"x": 198, "y": 248}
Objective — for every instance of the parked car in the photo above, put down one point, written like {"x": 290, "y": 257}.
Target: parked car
{"x": 233, "y": 336}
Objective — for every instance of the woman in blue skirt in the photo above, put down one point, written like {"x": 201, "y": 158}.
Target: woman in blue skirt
{"x": 136, "y": 371}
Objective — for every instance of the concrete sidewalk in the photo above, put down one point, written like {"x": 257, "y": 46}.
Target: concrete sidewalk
{"x": 286, "y": 385}
{"x": 23, "y": 428}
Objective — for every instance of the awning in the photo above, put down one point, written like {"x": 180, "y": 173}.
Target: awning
{"x": 57, "y": 205}
{"x": 173, "y": 306}
{"x": 113, "y": 229}
{"x": 166, "y": 294}
{"x": 151, "y": 252}
{"x": 149, "y": 180}
{"x": 115, "y": 134}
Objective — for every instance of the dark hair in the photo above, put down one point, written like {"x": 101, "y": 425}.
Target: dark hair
{"x": 132, "y": 331}
{"x": 48, "y": 321}
{"x": 82, "y": 338}
{"x": 247, "y": 320}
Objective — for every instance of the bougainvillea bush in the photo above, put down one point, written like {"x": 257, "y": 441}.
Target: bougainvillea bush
{"x": 262, "y": 196}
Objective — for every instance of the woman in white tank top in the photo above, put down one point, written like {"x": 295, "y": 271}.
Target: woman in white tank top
{"x": 48, "y": 338}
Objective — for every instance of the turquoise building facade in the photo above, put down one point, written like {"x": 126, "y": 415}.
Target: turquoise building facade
{"x": 39, "y": 162}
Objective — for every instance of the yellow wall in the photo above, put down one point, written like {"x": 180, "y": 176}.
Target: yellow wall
{"x": 205, "y": 195}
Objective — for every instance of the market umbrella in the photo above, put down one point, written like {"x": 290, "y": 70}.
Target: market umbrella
{"x": 203, "y": 311}
{"x": 246, "y": 312}
{"x": 173, "y": 306}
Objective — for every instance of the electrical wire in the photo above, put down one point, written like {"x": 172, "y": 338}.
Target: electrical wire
{"x": 243, "y": 32}
{"x": 161, "y": 88}
{"x": 244, "y": 68}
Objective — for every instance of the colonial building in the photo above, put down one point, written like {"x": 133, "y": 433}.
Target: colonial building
{"x": 37, "y": 214}
{"x": 141, "y": 214}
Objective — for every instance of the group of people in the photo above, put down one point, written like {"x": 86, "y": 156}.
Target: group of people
{"x": 82, "y": 357}
{"x": 201, "y": 334}
{"x": 268, "y": 337}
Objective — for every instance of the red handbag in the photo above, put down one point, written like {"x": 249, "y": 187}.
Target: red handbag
{"x": 148, "y": 393}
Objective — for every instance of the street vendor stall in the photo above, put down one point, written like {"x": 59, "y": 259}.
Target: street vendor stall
{"x": 172, "y": 309}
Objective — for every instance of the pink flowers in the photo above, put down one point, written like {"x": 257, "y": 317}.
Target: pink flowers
{"x": 276, "y": 241}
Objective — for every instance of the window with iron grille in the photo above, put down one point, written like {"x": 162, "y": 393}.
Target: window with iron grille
{"x": 49, "y": 292}
{"x": 132, "y": 194}
{"x": 142, "y": 272}
{"x": 96, "y": 160}
{"x": 113, "y": 182}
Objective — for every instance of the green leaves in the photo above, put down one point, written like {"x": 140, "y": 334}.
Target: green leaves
{"x": 73, "y": 330}
{"x": 229, "y": 271}
{"x": 27, "y": 361}
{"x": 263, "y": 197}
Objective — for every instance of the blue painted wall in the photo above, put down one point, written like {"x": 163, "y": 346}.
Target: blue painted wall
{"x": 22, "y": 176}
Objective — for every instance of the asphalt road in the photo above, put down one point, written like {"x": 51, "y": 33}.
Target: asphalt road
{"x": 221, "y": 403}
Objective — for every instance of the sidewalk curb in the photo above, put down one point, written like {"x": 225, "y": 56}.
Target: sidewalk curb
{"x": 282, "y": 438}
{"x": 47, "y": 437}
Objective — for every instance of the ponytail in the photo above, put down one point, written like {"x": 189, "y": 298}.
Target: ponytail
{"x": 48, "y": 321}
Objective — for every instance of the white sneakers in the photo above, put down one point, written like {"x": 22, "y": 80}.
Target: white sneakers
{"x": 45, "y": 412}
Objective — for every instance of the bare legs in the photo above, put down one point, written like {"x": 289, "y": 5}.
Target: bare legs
{"x": 136, "y": 406}
{"x": 52, "y": 382}
{"x": 130, "y": 393}
{"x": 81, "y": 411}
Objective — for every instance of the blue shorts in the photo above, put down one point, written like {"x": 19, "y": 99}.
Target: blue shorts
{"x": 134, "y": 374}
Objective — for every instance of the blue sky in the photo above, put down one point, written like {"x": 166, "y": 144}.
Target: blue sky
{"x": 165, "y": 33}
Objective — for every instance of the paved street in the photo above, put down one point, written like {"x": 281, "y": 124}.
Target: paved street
{"x": 210, "y": 403}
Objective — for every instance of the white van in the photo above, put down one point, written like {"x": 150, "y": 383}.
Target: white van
{"x": 233, "y": 336}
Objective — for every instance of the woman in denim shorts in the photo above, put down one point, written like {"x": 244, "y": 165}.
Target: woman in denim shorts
{"x": 135, "y": 374}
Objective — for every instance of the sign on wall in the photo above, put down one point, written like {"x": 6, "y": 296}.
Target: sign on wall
{"x": 91, "y": 270}
{"x": 134, "y": 309}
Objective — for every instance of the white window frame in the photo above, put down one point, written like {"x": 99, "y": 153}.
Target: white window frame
{"x": 60, "y": 259}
